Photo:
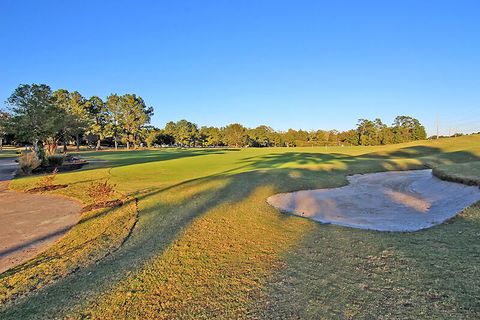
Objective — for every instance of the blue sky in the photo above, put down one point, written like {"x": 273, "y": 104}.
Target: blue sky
{"x": 300, "y": 64}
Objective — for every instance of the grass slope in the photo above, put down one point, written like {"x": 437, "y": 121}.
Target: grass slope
{"x": 207, "y": 245}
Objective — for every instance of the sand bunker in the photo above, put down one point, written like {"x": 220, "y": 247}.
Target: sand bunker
{"x": 387, "y": 201}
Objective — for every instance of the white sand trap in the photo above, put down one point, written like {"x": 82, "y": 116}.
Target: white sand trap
{"x": 387, "y": 201}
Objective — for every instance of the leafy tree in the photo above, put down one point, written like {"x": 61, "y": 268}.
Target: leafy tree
{"x": 276, "y": 139}
{"x": 333, "y": 137}
{"x": 165, "y": 139}
{"x": 115, "y": 112}
{"x": 136, "y": 114}
{"x": 186, "y": 133}
{"x": 261, "y": 136}
{"x": 235, "y": 135}
{"x": 367, "y": 132}
{"x": 152, "y": 137}
{"x": 159, "y": 137}
{"x": 79, "y": 109}
{"x": 35, "y": 116}
{"x": 4, "y": 122}
{"x": 99, "y": 120}
{"x": 62, "y": 101}
{"x": 74, "y": 120}
{"x": 406, "y": 129}
{"x": 171, "y": 129}
{"x": 386, "y": 135}
{"x": 349, "y": 137}
{"x": 210, "y": 136}
{"x": 290, "y": 138}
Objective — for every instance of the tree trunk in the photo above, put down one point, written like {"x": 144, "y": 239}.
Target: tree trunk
{"x": 116, "y": 143}
{"x": 128, "y": 145}
{"x": 64, "y": 145}
{"x": 98, "y": 144}
{"x": 1, "y": 144}
{"x": 35, "y": 148}
{"x": 78, "y": 141}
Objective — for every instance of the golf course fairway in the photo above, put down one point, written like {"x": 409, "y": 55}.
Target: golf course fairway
{"x": 196, "y": 238}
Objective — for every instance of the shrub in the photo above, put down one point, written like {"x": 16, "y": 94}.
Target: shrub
{"x": 100, "y": 192}
{"x": 28, "y": 162}
{"x": 55, "y": 160}
{"x": 47, "y": 181}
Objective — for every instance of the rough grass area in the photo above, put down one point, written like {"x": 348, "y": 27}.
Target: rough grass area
{"x": 466, "y": 173}
{"x": 97, "y": 234}
{"x": 342, "y": 273}
{"x": 207, "y": 245}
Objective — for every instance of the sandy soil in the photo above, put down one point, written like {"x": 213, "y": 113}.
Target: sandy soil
{"x": 387, "y": 201}
{"x": 29, "y": 223}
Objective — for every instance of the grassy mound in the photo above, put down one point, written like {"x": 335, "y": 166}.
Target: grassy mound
{"x": 466, "y": 173}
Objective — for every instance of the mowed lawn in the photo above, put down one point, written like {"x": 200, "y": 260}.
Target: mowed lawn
{"x": 8, "y": 152}
{"x": 205, "y": 244}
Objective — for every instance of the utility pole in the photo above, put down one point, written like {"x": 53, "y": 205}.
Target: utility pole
{"x": 437, "y": 126}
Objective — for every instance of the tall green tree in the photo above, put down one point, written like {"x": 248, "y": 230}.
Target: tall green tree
{"x": 115, "y": 111}
{"x": 367, "y": 132}
{"x": 99, "y": 120}
{"x": 35, "y": 116}
{"x": 4, "y": 122}
{"x": 186, "y": 133}
{"x": 74, "y": 121}
{"x": 290, "y": 138}
{"x": 261, "y": 136}
{"x": 406, "y": 129}
{"x": 79, "y": 109}
{"x": 135, "y": 114}
{"x": 349, "y": 137}
{"x": 235, "y": 135}
{"x": 210, "y": 136}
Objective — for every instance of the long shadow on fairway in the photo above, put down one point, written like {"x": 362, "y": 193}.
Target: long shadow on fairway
{"x": 341, "y": 273}
{"x": 161, "y": 222}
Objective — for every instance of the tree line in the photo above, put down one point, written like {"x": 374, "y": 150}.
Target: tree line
{"x": 44, "y": 119}
{"x": 368, "y": 133}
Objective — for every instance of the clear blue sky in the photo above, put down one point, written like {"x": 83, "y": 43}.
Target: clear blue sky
{"x": 300, "y": 64}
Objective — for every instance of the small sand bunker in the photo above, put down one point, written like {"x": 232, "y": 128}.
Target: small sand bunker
{"x": 387, "y": 201}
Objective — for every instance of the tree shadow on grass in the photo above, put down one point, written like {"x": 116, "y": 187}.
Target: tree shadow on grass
{"x": 161, "y": 221}
{"x": 346, "y": 273}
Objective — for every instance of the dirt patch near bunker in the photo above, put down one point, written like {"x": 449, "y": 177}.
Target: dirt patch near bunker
{"x": 387, "y": 201}
{"x": 30, "y": 223}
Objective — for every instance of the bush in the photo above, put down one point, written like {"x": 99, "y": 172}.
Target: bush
{"x": 28, "y": 162}
{"x": 47, "y": 181}
{"x": 100, "y": 192}
{"x": 55, "y": 160}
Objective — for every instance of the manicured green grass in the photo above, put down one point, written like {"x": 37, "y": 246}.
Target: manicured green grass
{"x": 466, "y": 173}
{"x": 207, "y": 244}
{"x": 8, "y": 152}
